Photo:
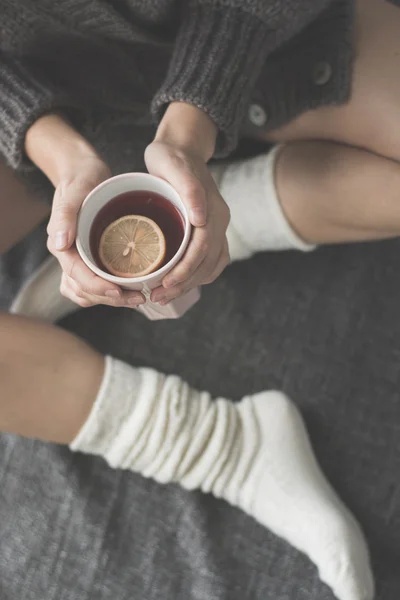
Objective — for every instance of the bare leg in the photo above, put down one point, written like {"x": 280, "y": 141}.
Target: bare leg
{"x": 48, "y": 380}
{"x": 20, "y": 212}
{"x": 334, "y": 193}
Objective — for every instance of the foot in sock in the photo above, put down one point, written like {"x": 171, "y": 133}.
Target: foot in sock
{"x": 258, "y": 222}
{"x": 255, "y": 454}
{"x": 40, "y": 296}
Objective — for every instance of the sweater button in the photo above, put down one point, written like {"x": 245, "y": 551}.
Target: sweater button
{"x": 257, "y": 115}
{"x": 322, "y": 73}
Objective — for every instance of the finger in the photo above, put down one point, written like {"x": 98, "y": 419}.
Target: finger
{"x": 198, "y": 250}
{"x": 181, "y": 288}
{"x": 177, "y": 169}
{"x": 205, "y": 275}
{"x": 68, "y": 291}
{"x": 223, "y": 261}
{"x": 62, "y": 224}
{"x": 72, "y": 264}
{"x": 88, "y": 284}
{"x": 67, "y": 201}
{"x": 128, "y": 299}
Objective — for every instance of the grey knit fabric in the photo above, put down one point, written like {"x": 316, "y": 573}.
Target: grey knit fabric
{"x": 120, "y": 56}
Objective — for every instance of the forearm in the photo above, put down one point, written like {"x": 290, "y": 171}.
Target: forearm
{"x": 52, "y": 144}
{"x": 332, "y": 193}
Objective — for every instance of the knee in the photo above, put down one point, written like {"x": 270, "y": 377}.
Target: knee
{"x": 306, "y": 175}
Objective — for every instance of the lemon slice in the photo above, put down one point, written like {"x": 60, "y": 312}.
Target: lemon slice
{"x": 132, "y": 246}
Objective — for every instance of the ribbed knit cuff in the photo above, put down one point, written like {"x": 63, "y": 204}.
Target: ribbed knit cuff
{"x": 23, "y": 99}
{"x": 218, "y": 55}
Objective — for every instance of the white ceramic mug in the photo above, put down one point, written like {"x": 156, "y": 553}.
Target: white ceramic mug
{"x": 96, "y": 200}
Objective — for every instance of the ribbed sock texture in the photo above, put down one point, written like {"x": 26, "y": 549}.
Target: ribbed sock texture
{"x": 257, "y": 222}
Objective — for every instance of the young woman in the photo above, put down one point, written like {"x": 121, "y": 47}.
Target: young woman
{"x": 283, "y": 67}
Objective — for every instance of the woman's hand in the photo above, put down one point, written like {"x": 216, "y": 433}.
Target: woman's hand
{"x": 79, "y": 283}
{"x": 75, "y": 169}
{"x": 184, "y": 143}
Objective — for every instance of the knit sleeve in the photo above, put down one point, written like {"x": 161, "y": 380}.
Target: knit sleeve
{"x": 23, "y": 98}
{"x": 217, "y": 56}
{"x": 219, "y": 53}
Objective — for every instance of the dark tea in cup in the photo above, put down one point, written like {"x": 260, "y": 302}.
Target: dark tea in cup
{"x": 146, "y": 204}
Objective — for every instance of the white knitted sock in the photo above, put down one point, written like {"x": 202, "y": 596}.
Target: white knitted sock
{"x": 258, "y": 222}
{"x": 40, "y": 296}
{"x": 255, "y": 454}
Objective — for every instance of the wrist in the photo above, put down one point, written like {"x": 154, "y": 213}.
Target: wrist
{"x": 190, "y": 128}
{"x": 53, "y": 145}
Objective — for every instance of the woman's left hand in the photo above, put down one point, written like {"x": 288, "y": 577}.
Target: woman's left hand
{"x": 180, "y": 159}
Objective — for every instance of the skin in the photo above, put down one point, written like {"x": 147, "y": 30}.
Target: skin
{"x": 33, "y": 375}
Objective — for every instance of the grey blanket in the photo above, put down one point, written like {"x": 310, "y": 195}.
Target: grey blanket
{"x": 326, "y": 329}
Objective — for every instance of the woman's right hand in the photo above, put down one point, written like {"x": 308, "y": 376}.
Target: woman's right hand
{"x": 75, "y": 170}
{"x": 79, "y": 283}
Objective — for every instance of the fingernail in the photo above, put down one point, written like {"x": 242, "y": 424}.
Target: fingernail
{"x": 113, "y": 293}
{"x": 164, "y": 302}
{"x": 197, "y": 216}
{"x": 61, "y": 240}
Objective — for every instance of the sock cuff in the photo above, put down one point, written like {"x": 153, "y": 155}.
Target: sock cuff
{"x": 92, "y": 426}
{"x": 284, "y": 229}
{"x": 113, "y": 401}
{"x": 258, "y": 222}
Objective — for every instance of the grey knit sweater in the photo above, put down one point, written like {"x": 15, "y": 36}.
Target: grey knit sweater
{"x": 123, "y": 56}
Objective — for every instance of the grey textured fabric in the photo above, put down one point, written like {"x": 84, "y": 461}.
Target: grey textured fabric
{"x": 325, "y": 328}
{"x": 224, "y": 56}
{"x": 58, "y": 55}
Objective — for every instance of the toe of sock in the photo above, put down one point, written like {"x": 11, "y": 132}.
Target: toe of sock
{"x": 355, "y": 584}
{"x": 347, "y": 570}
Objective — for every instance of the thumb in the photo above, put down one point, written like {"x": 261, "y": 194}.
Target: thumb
{"x": 62, "y": 224}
